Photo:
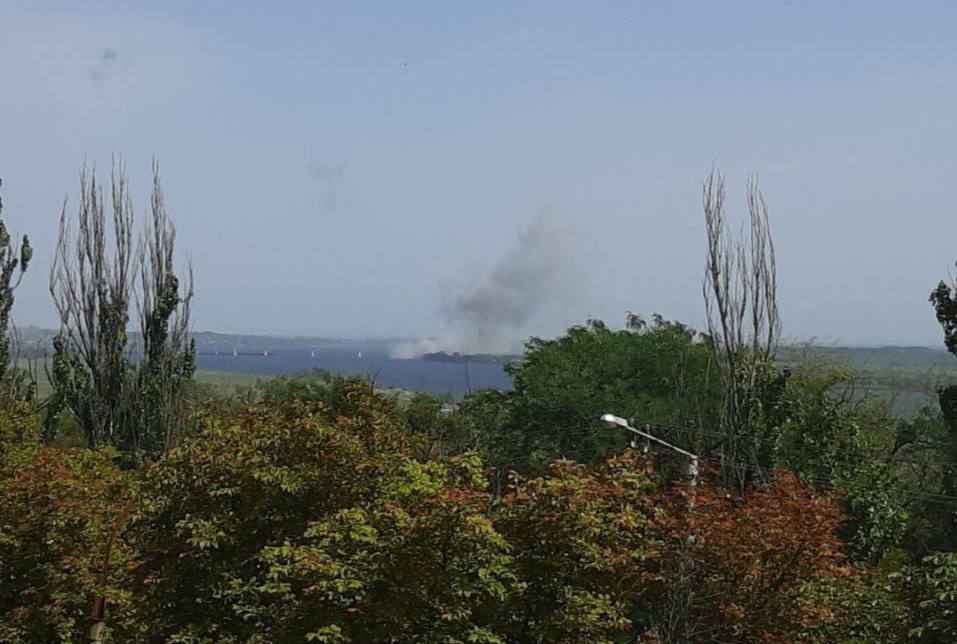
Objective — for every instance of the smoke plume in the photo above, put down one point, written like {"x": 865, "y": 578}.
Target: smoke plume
{"x": 539, "y": 270}
{"x": 538, "y": 278}
{"x": 104, "y": 65}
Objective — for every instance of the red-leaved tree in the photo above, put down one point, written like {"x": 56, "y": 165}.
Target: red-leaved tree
{"x": 743, "y": 568}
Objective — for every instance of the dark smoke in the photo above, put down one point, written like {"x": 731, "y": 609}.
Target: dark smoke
{"x": 105, "y": 65}
{"x": 329, "y": 177}
{"x": 540, "y": 270}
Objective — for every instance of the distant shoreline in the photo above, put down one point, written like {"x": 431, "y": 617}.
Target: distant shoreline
{"x": 468, "y": 358}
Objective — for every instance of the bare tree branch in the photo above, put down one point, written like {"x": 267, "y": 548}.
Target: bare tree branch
{"x": 744, "y": 324}
{"x": 120, "y": 392}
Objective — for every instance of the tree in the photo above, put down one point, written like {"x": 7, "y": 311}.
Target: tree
{"x": 120, "y": 394}
{"x": 930, "y": 589}
{"x": 295, "y": 524}
{"x": 923, "y": 461}
{"x": 944, "y": 300}
{"x": 14, "y": 261}
{"x": 740, "y": 294}
{"x": 92, "y": 288}
{"x": 658, "y": 372}
{"x": 866, "y": 607}
{"x": 748, "y": 562}
{"x": 168, "y": 355}
{"x": 322, "y": 521}
{"x": 357, "y": 574}
{"x": 585, "y": 547}
{"x": 834, "y": 443}
{"x": 438, "y": 421}
{"x": 62, "y": 542}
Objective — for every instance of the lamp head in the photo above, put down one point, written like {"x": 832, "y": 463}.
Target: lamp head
{"x": 614, "y": 421}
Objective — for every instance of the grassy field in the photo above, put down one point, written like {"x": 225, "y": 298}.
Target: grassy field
{"x": 228, "y": 380}
{"x": 219, "y": 379}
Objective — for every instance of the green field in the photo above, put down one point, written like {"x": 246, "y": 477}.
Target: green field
{"x": 220, "y": 379}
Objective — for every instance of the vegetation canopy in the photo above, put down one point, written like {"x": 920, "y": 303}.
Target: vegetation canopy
{"x": 746, "y": 497}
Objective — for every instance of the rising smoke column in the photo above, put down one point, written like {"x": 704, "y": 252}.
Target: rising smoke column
{"x": 541, "y": 269}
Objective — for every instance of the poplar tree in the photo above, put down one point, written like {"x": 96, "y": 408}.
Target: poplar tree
{"x": 14, "y": 261}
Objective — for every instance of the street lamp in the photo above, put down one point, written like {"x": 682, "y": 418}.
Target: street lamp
{"x": 690, "y": 469}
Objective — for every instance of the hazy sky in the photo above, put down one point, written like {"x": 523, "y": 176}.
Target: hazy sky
{"x": 376, "y": 168}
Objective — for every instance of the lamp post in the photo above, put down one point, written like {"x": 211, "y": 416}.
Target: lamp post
{"x": 691, "y": 467}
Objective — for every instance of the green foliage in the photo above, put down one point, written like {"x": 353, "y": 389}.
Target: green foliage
{"x": 827, "y": 442}
{"x": 438, "y": 424}
{"x": 931, "y": 591}
{"x": 932, "y": 441}
{"x": 135, "y": 406}
{"x": 336, "y": 395}
{"x": 163, "y": 375}
{"x": 60, "y": 508}
{"x": 443, "y": 428}
{"x": 813, "y": 437}
{"x": 19, "y": 426}
{"x": 317, "y": 386}
{"x": 96, "y": 399}
{"x": 125, "y": 394}
{"x": 659, "y": 373}
{"x": 920, "y": 457}
{"x": 357, "y": 574}
{"x": 14, "y": 261}
{"x": 289, "y": 525}
{"x": 864, "y": 608}
{"x": 878, "y": 518}
{"x": 662, "y": 374}
{"x": 584, "y": 543}
{"x": 944, "y": 300}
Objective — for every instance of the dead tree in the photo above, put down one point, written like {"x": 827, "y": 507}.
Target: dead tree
{"x": 744, "y": 325}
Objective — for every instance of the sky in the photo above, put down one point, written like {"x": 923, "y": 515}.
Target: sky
{"x": 390, "y": 168}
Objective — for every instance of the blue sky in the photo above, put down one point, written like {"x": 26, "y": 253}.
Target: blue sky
{"x": 354, "y": 168}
